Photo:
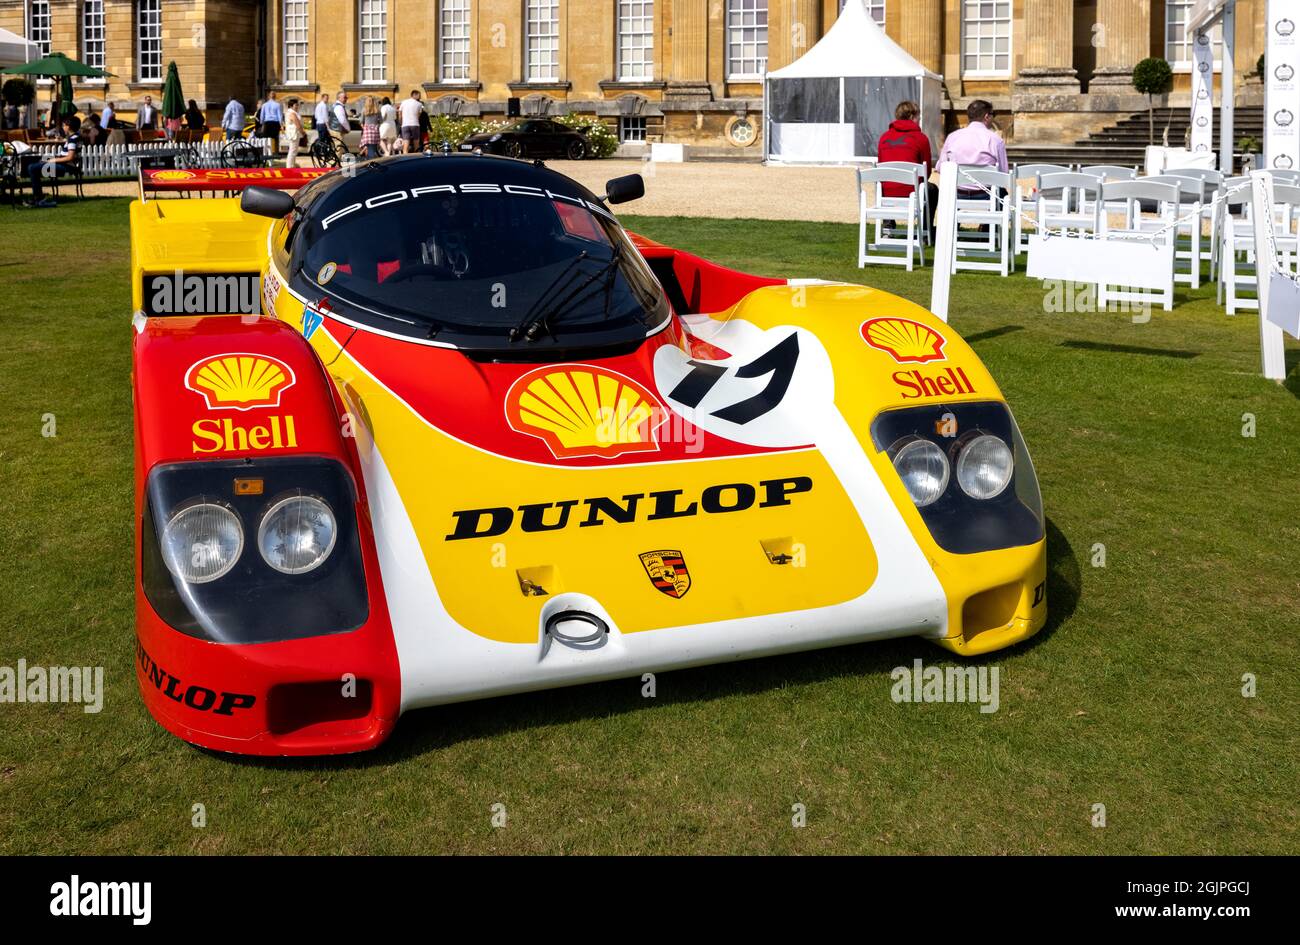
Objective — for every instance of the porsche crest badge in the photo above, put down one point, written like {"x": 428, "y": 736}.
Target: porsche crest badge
{"x": 667, "y": 572}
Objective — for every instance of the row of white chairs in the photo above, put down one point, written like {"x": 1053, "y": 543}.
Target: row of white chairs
{"x": 1173, "y": 208}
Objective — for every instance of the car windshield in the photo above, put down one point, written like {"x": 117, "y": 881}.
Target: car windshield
{"x": 474, "y": 247}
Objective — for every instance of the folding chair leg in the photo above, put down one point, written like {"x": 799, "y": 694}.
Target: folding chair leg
{"x": 862, "y": 231}
{"x": 1196, "y": 251}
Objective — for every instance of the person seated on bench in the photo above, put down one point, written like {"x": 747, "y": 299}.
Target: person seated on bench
{"x": 65, "y": 163}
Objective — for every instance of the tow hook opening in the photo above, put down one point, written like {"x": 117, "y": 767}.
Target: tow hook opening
{"x": 577, "y": 629}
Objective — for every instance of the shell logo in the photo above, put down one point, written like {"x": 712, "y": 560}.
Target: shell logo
{"x": 240, "y": 381}
{"x": 904, "y": 340}
{"x": 581, "y": 410}
{"x": 174, "y": 175}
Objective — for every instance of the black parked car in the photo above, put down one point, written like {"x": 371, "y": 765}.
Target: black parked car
{"x": 532, "y": 137}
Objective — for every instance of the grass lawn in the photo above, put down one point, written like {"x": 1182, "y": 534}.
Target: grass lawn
{"x": 1130, "y": 698}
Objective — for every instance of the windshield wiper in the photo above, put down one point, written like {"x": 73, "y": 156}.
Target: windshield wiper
{"x": 529, "y": 323}
{"x": 538, "y": 317}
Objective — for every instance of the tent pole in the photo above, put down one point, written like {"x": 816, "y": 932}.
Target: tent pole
{"x": 1228, "y": 91}
{"x": 767, "y": 151}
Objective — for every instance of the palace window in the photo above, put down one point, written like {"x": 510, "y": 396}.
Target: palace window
{"x": 38, "y": 24}
{"x": 373, "y": 33}
{"x": 631, "y": 128}
{"x": 746, "y": 39}
{"x": 1178, "y": 45}
{"x": 295, "y": 41}
{"x": 986, "y": 38}
{"x": 148, "y": 40}
{"x": 92, "y": 33}
{"x": 453, "y": 41}
{"x": 636, "y": 39}
{"x": 875, "y": 7}
{"x": 542, "y": 48}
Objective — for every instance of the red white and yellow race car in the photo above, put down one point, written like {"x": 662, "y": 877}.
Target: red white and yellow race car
{"x": 439, "y": 429}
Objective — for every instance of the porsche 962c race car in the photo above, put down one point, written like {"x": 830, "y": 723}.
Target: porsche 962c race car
{"x": 439, "y": 429}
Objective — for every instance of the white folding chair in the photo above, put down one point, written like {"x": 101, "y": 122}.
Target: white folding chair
{"x": 1105, "y": 172}
{"x": 1190, "y": 193}
{"x": 1077, "y": 207}
{"x": 1238, "y": 270}
{"x": 1027, "y": 174}
{"x": 991, "y": 208}
{"x": 1210, "y": 180}
{"x": 884, "y": 209}
{"x": 922, "y": 192}
{"x": 1139, "y": 196}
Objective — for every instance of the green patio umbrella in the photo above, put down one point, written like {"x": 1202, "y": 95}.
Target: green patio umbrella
{"x": 58, "y": 66}
{"x": 55, "y": 65}
{"x": 173, "y": 102}
{"x": 67, "y": 105}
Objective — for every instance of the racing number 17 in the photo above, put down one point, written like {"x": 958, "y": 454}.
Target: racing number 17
{"x": 779, "y": 361}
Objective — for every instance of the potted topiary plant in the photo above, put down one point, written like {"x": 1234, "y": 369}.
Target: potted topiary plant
{"x": 1152, "y": 77}
{"x": 1250, "y": 148}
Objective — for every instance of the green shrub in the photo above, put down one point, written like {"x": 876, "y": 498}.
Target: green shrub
{"x": 603, "y": 141}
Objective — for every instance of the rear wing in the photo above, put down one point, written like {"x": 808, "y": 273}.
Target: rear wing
{"x": 222, "y": 179}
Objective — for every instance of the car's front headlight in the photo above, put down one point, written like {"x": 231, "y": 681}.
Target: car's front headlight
{"x": 984, "y": 465}
{"x": 922, "y": 467}
{"x": 202, "y": 541}
{"x": 201, "y": 574}
{"x": 297, "y": 534}
{"x": 966, "y": 468}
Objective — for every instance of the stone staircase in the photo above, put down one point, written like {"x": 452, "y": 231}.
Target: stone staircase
{"x": 1125, "y": 143}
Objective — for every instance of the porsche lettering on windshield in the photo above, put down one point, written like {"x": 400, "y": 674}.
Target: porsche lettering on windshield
{"x": 518, "y": 190}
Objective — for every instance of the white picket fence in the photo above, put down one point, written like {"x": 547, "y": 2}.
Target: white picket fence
{"x": 119, "y": 160}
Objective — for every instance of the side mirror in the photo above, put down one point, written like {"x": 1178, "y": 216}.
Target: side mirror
{"x": 623, "y": 189}
{"x": 266, "y": 202}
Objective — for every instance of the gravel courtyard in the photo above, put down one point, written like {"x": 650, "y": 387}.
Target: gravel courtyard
{"x": 702, "y": 189}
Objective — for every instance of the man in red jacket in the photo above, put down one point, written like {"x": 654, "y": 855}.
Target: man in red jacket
{"x": 904, "y": 141}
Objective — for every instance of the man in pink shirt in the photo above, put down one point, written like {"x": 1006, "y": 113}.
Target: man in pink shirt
{"x": 977, "y": 143}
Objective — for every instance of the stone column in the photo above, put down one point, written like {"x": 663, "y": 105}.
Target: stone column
{"x": 793, "y": 28}
{"x": 688, "y": 76}
{"x": 921, "y": 32}
{"x": 1124, "y": 42}
{"x": 1049, "y": 49}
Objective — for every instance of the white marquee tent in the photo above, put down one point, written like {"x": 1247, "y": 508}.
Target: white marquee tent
{"x": 832, "y": 103}
{"x": 15, "y": 50}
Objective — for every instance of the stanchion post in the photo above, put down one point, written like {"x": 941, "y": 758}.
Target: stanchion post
{"x": 945, "y": 227}
{"x": 1271, "y": 345}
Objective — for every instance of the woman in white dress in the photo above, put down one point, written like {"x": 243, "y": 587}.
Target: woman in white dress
{"x": 387, "y": 126}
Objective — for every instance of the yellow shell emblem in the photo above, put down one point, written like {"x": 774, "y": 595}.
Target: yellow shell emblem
{"x": 240, "y": 381}
{"x": 904, "y": 339}
{"x": 174, "y": 175}
{"x": 580, "y": 410}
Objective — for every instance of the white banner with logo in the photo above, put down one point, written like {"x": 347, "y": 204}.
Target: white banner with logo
{"x": 1282, "y": 85}
{"x": 1202, "y": 94}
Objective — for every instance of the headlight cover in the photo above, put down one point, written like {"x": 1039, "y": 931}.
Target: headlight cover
{"x": 922, "y": 467}
{"x": 297, "y": 534}
{"x": 984, "y": 465}
{"x": 958, "y": 522}
{"x": 202, "y": 541}
{"x": 254, "y": 601}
